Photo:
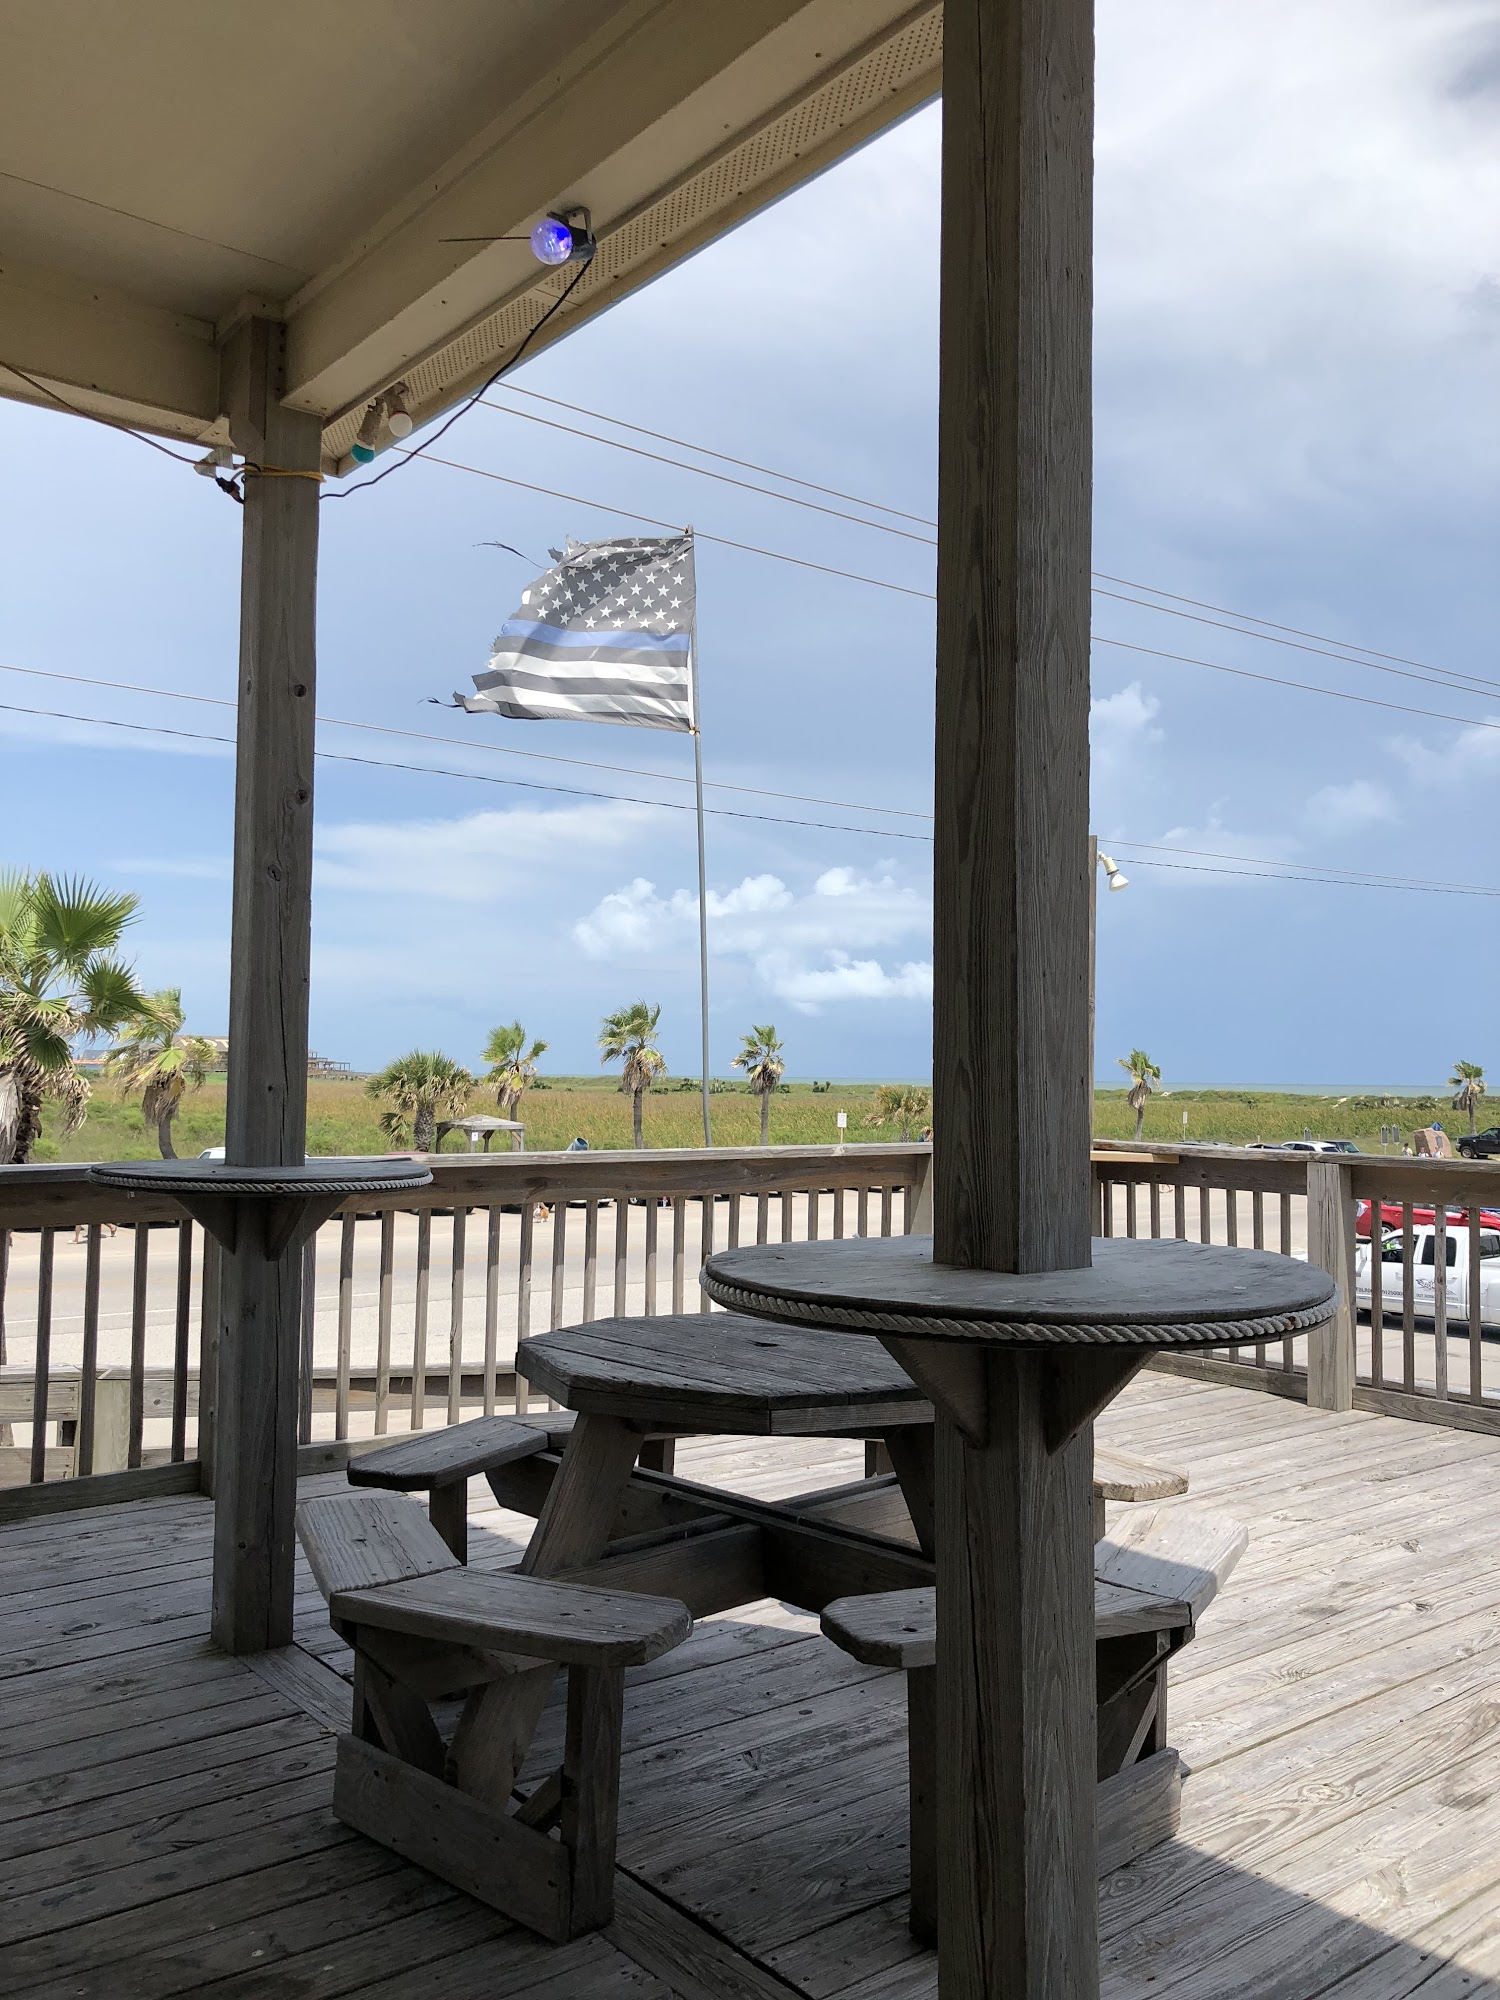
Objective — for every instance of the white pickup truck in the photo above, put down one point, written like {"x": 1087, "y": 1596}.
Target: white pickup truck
{"x": 1424, "y": 1274}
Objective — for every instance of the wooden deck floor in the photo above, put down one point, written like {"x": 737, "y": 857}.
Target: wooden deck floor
{"x": 164, "y": 1823}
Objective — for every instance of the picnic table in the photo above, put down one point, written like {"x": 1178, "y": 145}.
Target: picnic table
{"x": 1018, "y": 1365}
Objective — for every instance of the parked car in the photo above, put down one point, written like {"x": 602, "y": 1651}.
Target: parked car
{"x": 1481, "y": 1145}
{"x": 1304, "y": 1146}
{"x": 1390, "y": 1217}
{"x": 1424, "y": 1274}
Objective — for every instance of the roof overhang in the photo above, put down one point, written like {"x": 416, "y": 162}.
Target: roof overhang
{"x": 670, "y": 121}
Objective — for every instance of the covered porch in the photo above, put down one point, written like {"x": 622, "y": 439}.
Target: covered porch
{"x": 166, "y": 1808}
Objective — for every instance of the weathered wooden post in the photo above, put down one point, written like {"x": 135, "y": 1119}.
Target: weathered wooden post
{"x": 1011, "y": 1191}
{"x": 255, "y": 1457}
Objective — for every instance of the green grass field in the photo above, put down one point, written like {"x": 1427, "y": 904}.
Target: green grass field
{"x": 342, "y": 1119}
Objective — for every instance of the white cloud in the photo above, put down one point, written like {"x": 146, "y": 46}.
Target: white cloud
{"x": 483, "y": 857}
{"x": 1349, "y": 808}
{"x": 802, "y": 948}
{"x": 1472, "y": 752}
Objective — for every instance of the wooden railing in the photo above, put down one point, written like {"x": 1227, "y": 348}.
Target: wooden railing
{"x": 412, "y": 1307}
{"x": 1400, "y": 1343}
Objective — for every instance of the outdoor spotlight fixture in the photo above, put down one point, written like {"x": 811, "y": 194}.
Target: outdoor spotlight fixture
{"x": 565, "y": 236}
{"x": 367, "y": 443}
{"x": 1113, "y": 876}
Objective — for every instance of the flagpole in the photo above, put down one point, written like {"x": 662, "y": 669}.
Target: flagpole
{"x": 708, "y": 1137}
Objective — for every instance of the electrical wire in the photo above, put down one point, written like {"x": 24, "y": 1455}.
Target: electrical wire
{"x": 476, "y": 777}
{"x": 1324, "y": 874}
{"x": 93, "y": 416}
{"x": 1344, "y": 649}
{"x": 512, "y": 361}
{"x": 489, "y": 749}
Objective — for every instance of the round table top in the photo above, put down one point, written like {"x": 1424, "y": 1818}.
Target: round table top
{"x": 1156, "y": 1292}
{"x": 221, "y": 1177}
{"x": 721, "y": 1372}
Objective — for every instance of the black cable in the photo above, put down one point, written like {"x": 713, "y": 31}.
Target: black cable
{"x": 93, "y": 416}
{"x": 511, "y": 361}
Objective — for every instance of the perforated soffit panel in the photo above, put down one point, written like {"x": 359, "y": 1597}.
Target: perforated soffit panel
{"x": 873, "y": 90}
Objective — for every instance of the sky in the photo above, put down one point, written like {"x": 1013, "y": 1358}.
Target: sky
{"x": 1297, "y": 417}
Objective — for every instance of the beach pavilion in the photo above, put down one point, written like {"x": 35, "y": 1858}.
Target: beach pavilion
{"x": 252, "y": 230}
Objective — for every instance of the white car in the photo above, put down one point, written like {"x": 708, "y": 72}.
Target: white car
{"x": 1424, "y": 1274}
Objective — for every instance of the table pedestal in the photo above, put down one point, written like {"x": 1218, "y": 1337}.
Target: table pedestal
{"x": 1017, "y": 1366}
{"x": 260, "y": 1217}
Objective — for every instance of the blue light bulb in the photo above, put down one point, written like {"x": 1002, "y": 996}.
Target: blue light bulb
{"x": 361, "y": 454}
{"x": 551, "y": 241}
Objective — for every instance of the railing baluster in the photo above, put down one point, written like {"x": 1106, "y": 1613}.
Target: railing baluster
{"x": 706, "y": 1210}
{"x": 1155, "y": 1192}
{"x": 590, "y": 1256}
{"x": 1285, "y": 1220}
{"x": 523, "y": 1297}
{"x": 456, "y": 1302}
{"x": 1377, "y": 1299}
{"x": 1179, "y": 1209}
{"x": 182, "y": 1334}
{"x": 1205, "y": 1219}
{"x": 307, "y": 1332}
{"x": 622, "y": 1255}
{"x": 1106, "y": 1207}
{"x": 788, "y": 1214}
{"x": 385, "y": 1310}
{"x": 43, "y": 1363}
{"x": 555, "y": 1314}
{"x": 1130, "y": 1228}
{"x": 1476, "y": 1305}
{"x": 885, "y": 1210}
{"x": 1232, "y": 1217}
{"x": 653, "y": 1220}
{"x": 679, "y": 1249}
{"x": 345, "y": 1358}
{"x": 1440, "y": 1300}
{"x": 138, "y": 1344}
{"x": 88, "y": 1374}
{"x": 734, "y": 1219}
{"x": 1408, "y": 1302}
{"x": 814, "y": 1214}
{"x": 763, "y": 1218}
{"x": 492, "y": 1309}
{"x": 418, "y": 1417}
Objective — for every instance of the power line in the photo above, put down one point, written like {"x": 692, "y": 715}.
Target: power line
{"x": 476, "y": 777}
{"x": 488, "y": 749}
{"x": 1325, "y": 874}
{"x": 1342, "y": 649}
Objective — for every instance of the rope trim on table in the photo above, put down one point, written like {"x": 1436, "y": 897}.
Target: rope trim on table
{"x": 163, "y": 1185}
{"x": 1029, "y": 1333}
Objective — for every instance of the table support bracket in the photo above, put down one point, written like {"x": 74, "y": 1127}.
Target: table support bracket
{"x": 951, "y": 1377}
{"x": 1077, "y": 1387}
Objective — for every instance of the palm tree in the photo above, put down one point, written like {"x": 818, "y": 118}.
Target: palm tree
{"x": 902, "y": 1105}
{"x": 1467, "y": 1084}
{"x": 1144, "y": 1077}
{"x": 155, "y": 1057}
{"x": 764, "y": 1065}
{"x": 512, "y": 1066}
{"x": 59, "y": 983}
{"x": 629, "y": 1037}
{"x": 417, "y": 1087}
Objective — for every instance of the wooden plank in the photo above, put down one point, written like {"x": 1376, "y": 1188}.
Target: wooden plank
{"x": 651, "y": 1931}
{"x": 298, "y": 1677}
{"x": 355, "y": 1541}
{"x": 505, "y": 1611}
{"x": 100, "y": 1489}
{"x": 461, "y": 1452}
{"x": 479, "y": 1850}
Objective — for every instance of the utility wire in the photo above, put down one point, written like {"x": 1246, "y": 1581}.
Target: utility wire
{"x": 1308, "y": 872}
{"x": 489, "y": 749}
{"x": 1342, "y": 648}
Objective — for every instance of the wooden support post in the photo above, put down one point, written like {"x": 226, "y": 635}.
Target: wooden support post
{"x": 1330, "y": 1242}
{"x": 1011, "y": 1057}
{"x": 1017, "y": 1885}
{"x": 1011, "y": 888}
{"x": 260, "y": 1298}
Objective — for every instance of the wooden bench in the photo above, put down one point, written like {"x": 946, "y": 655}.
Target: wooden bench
{"x": 424, "y": 1627}
{"x": 441, "y": 1464}
{"x": 1153, "y": 1580}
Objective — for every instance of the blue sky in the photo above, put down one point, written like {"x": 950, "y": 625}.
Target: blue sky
{"x": 1298, "y": 291}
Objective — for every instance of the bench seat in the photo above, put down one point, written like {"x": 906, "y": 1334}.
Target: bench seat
{"x": 423, "y": 1626}
{"x": 1154, "y": 1577}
